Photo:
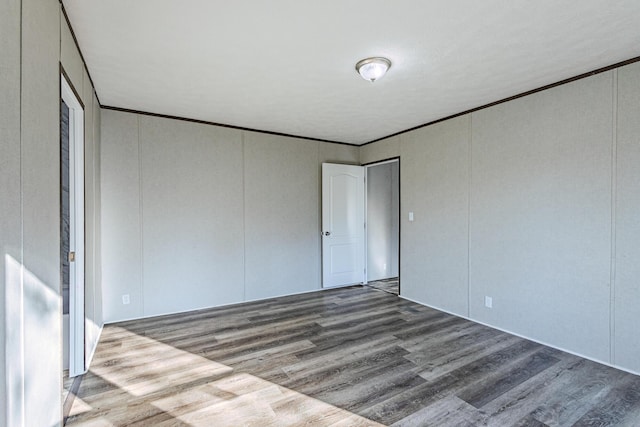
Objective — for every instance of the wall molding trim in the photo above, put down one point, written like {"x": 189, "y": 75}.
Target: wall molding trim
{"x": 511, "y": 98}
{"x": 75, "y": 40}
{"x": 241, "y": 128}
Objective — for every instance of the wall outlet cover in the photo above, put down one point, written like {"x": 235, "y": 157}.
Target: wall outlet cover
{"x": 488, "y": 302}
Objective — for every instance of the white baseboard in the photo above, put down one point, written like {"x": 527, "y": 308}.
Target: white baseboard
{"x": 602, "y": 362}
{"x": 93, "y": 350}
{"x": 111, "y": 322}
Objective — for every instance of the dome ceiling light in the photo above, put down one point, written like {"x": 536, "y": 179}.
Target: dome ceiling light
{"x": 372, "y": 69}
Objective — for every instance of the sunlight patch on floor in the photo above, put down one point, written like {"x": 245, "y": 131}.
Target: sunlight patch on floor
{"x": 243, "y": 399}
{"x": 137, "y": 378}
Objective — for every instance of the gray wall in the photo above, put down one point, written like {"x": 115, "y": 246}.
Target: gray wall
{"x": 191, "y": 215}
{"x": 197, "y": 216}
{"x": 10, "y": 194}
{"x": 540, "y": 223}
{"x": 383, "y": 150}
{"x": 74, "y": 67}
{"x": 528, "y": 202}
{"x": 435, "y": 187}
{"x": 121, "y": 212}
{"x": 382, "y": 221}
{"x": 281, "y": 205}
{"x": 30, "y": 301}
{"x": 626, "y": 290}
{"x": 40, "y": 175}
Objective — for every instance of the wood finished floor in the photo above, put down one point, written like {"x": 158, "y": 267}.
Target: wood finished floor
{"x": 388, "y": 285}
{"x": 345, "y": 357}
{"x": 66, "y": 384}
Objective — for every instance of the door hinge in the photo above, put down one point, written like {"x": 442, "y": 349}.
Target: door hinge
{"x": 72, "y": 256}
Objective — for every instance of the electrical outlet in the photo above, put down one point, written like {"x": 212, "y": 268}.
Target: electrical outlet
{"x": 125, "y": 299}
{"x": 488, "y": 302}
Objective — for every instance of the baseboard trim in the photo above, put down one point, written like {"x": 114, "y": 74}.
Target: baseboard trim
{"x": 620, "y": 368}
{"x": 93, "y": 350}
{"x": 115, "y": 322}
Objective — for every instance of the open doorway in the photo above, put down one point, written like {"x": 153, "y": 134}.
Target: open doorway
{"x": 72, "y": 232}
{"x": 383, "y": 225}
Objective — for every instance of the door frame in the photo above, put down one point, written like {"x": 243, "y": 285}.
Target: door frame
{"x": 366, "y": 208}
{"x": 77, "y": 227}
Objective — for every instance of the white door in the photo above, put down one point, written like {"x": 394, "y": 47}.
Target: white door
{"x": 76, "y": 228}
{"x": 342, "y": 225}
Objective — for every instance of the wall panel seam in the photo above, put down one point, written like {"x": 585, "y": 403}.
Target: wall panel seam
{"x": 21, "y": 350}
{"x": 469, "y": 168}
{"x": 319, "y": 210}
{"x": 140, "y": 216}
{"x": 244, "y": 218}
{"x": 95, "y": 211}
{"x": 614, "y": 181}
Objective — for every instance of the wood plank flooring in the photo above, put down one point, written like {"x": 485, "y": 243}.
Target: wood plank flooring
{"x": 344, "y": 357}
{"x": 388, "y": 285}
{"x": 69, "y": 389}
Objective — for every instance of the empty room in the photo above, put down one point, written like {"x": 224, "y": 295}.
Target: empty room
{"x": 286, "y": 213}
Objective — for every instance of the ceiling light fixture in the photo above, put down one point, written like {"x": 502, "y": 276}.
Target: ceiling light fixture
{"x": 372, "y": 69}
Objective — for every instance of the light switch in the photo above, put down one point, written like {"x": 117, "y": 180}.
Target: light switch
{"x": 410, "y": 216}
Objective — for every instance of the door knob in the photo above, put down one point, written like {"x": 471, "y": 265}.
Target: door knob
{"x": 327, "y": 233}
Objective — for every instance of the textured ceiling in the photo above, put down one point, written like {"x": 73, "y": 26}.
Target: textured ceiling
{"x": 287, "y": 66}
